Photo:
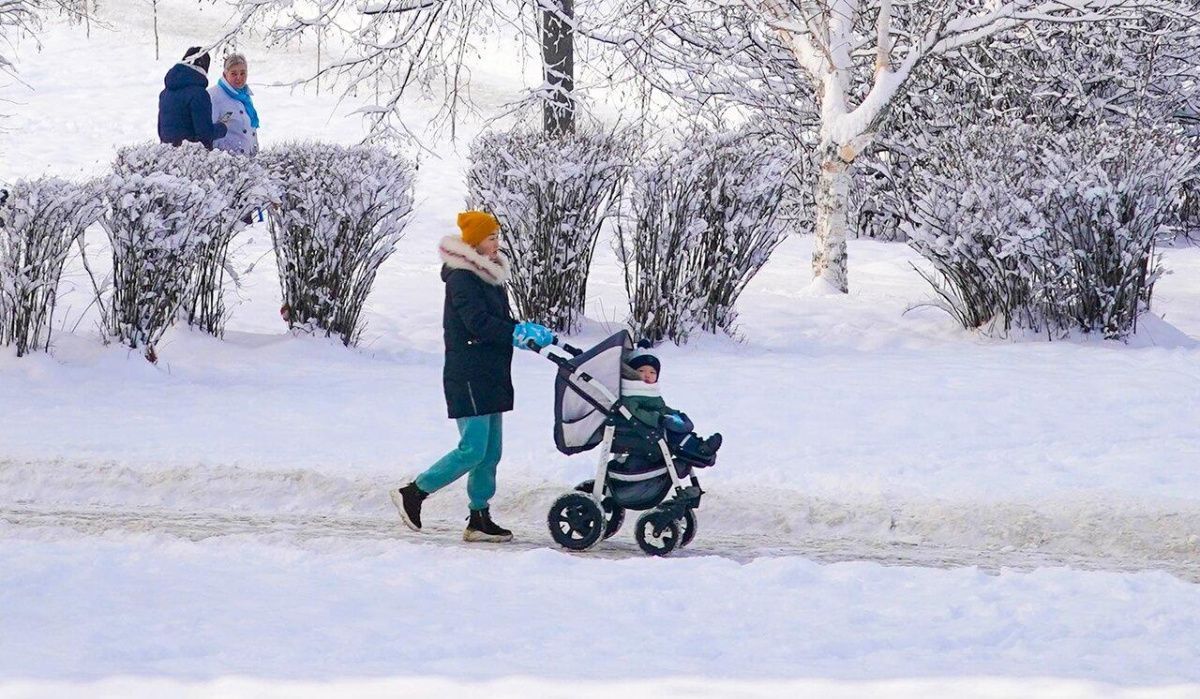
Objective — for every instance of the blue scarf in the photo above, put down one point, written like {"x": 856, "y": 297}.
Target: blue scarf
{"x": 243, "y": 96}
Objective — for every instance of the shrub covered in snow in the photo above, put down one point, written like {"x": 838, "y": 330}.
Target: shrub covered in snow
{"x": 876, "y": 207}
{"x": 237, "y": 185}
{"x": 744, "y": 177}
{"x": 159, "y": 227}
{"x": 39, "y": 221}
{"x": 551, "y": 195}
{"x": 655, "y": 242}
{"x": 1047, "y": 231}
{"x": 1189, "y": 204}
{"x": 703, "y": 219}
{"x": 341, "y": 212}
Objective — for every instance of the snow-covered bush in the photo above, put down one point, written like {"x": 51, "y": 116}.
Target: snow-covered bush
{"x": 342, "y": 210}
{"x": 1189, "y": 204}
{"x": 39, "y": 221}
{"x": 873, "y": 206}
{"x": 1047, "y": 231}
{"x": 1138, "y": 73}
{"x": 703, "y": 220}
{"x": 655, "y": 243}
{"x": 551, "y": 195}
{"x": 743, "y": 177}
{"x": 237, "y": 185}
{"x": 159, "y": 227}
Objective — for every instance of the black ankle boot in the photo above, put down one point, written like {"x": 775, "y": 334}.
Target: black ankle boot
{"x": 408, "y": 502}
{"x": 480, "y": 527}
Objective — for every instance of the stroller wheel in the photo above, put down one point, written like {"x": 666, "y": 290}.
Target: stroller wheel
{"x": 687, "y": 527}
{"x": 657, "y": 532}
{"x": 614, "y": 514}
{"x": 575, "y": 522}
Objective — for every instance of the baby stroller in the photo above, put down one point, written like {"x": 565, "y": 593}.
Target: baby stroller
{"x": 637, "y": 469}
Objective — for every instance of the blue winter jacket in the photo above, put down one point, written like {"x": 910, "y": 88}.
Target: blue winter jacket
{"x": 185, "y": 109}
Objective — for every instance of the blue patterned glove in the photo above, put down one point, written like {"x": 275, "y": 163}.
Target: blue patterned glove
{"x": 540, "y": 334}
{"x": 526, "y": 331}
{"x": 520, "y": 336}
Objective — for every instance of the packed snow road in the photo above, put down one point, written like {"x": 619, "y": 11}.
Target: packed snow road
{"x": 282, "y": 528}
{"x": 298, "y": 506}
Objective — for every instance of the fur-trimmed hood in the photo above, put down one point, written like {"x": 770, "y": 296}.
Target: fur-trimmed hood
{"x": 458, "y": 255}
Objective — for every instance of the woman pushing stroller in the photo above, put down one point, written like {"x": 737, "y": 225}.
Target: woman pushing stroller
{"x": 479, "y": 333}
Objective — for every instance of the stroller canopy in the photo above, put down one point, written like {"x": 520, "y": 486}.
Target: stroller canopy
{"x": 580, "y": 406}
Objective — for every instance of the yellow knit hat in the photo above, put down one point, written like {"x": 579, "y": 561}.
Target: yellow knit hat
{"x": 476, "y": 226}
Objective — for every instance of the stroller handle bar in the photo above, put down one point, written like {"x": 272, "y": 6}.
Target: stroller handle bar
{"x": 572, "y": 351}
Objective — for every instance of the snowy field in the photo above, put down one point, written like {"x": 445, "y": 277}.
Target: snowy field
{"x": 902, "y": 509}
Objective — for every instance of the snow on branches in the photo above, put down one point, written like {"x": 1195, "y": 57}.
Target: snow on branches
{"x": 341, "y": 212}
{"x": 551, "y": 195}
{"x": 387, "y": 49}
{"x": 849, "y": 59}
{"x": 1053, "y": 232}
{"x": 17, "y": 18}
{"x": 236, "y": 185}
{"x": 39, "y": 221}
{"x": 704, "y": 218}
{"x": 159, "y": 226}
{"x": 1140, "y": 72}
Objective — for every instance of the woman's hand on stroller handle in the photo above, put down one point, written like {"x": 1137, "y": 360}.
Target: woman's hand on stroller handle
{"x": 532, "y": 336}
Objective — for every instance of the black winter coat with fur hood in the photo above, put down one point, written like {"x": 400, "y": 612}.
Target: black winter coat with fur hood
{"x": 477, "y": 326}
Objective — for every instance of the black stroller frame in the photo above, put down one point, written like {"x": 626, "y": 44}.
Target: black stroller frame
{"x": 595, "y": 509}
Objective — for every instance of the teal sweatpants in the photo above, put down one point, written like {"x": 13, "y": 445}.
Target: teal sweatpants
{"x": 478, "y": 453}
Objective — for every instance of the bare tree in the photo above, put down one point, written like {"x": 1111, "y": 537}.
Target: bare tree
{"x": 389, "y": 48}
{"x": 17, "y": 18}
{"x": 22, "y": 18}
{"x": 849, "y": 59}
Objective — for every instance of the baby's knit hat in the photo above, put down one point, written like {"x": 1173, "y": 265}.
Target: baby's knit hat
{"x": 642, "y": 357}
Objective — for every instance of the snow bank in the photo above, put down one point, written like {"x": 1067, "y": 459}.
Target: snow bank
{"x": 334, "y": 609}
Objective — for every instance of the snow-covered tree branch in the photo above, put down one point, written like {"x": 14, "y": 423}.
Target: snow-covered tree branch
{"x": 848, "y": 59}
{"x": 17, "y": 17}
{"x": 385, "y": 50}
{"x": 22, "y": 18}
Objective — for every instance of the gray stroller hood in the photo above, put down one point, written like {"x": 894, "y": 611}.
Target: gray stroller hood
{"x": 580, "y": 410}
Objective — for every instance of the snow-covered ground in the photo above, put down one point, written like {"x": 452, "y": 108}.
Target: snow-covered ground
{"x": 901, "y": 509}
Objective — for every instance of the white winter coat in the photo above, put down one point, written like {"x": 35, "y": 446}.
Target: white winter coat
{"x": 242, "y": 137}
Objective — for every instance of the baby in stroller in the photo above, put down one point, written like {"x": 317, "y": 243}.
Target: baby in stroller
{"x": 640, "y": 394}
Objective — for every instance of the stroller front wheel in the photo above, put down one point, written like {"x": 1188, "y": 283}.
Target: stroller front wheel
{"x": 657, "y": 532}
{"x": 576, "y": 522}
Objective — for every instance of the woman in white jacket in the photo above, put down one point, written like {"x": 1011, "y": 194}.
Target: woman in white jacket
{"x": 231, "y": 96}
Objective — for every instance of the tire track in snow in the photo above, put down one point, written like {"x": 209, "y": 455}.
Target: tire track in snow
{"x": 298, "y": 529}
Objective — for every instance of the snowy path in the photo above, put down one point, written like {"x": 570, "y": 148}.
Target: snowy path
{"x": 297, "y": 506}
{"x": 266, "y": 606}
{"x": 743, "y": 548}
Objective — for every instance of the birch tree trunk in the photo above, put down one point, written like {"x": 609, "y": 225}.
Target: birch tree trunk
{"x": 829, "y": 248}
